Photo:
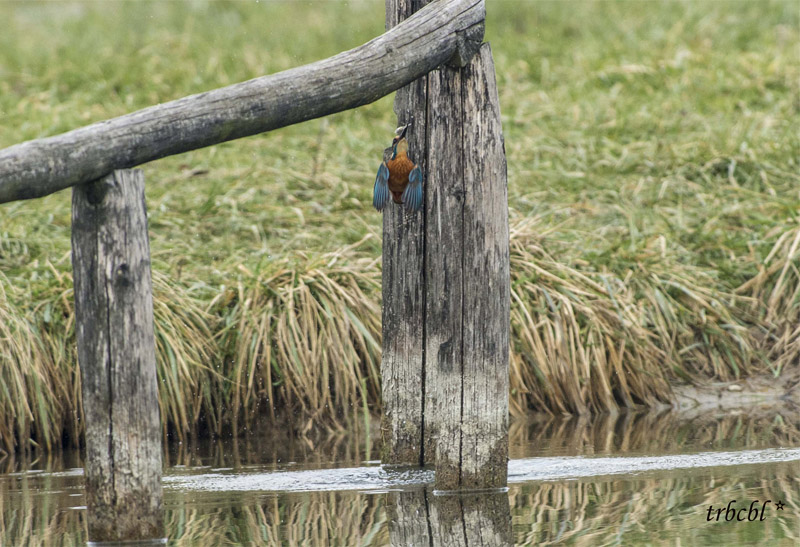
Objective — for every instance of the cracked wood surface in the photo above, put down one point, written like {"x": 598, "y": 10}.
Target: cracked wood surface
{"x": 446, "y": 279}
{"x": 117, "y": 358}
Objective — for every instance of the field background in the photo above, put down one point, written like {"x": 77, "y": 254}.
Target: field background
{"x": 654, "y": 187}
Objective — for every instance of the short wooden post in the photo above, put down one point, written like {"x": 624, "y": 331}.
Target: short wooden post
{"x": 446, "y": 278}
{"x": 116, "y": 353}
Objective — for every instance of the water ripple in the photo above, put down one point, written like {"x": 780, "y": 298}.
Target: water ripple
{"x": 524, "y": 470}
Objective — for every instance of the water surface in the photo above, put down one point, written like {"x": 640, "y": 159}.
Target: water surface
{"x": 627, "y": 480}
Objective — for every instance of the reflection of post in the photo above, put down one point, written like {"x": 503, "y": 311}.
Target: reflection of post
{"x": 408, "y": 518}
{"x": 419, "y": 518}
{"x": 487, "y": 519}
{"x": 476, "y": 519}
{"x": 116, "y": 353}
{"x": 447, "y": 522}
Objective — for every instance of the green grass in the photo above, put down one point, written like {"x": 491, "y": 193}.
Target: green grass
{"x": 654, "y": 165}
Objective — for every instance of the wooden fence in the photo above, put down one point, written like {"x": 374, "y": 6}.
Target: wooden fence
{"x": 445, "y": 269}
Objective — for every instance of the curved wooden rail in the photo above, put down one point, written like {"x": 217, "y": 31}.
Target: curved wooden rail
{"x": 443, "y": 30}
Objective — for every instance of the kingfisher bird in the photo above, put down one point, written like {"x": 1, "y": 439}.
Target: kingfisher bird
{"x": 398, "y": 176}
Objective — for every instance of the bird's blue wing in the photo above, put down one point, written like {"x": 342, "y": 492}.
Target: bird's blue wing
{"x": 412, "y": 195}
{"x": 380, "y": 194}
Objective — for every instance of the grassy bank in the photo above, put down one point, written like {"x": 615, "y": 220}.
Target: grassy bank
{"x": 653, "y": 180}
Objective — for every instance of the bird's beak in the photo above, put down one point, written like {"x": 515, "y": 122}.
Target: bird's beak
{"x": 403, "y": 133}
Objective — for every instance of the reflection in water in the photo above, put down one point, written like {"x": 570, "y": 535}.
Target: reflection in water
{"x": 419, "y": 518}
{"x": 664, "y": 509}
{"x": 41, "y": 501}
{"x": 232, "y": 519}
{"x": 652, "y": 433}
{"x": 277, "y": 448}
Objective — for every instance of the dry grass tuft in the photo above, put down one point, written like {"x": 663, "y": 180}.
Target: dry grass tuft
{"x": 37, "y": 385}
{"x": 303, "y": 339}
{"x": 586, "y": 340}
{"x": 775, "y": 299}
{"x": 191, "y": 388}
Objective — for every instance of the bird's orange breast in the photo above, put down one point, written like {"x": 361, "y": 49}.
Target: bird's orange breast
{"x": 399, "y": 168}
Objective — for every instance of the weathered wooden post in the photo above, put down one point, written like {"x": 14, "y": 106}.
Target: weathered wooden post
{"x": 116, "y": 354}
{"x": 446, "y": 277}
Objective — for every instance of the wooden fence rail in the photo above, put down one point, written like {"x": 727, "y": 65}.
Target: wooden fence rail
{"x": 353, "y": 78}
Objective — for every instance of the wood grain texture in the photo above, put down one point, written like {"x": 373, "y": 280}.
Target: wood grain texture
{"x": 470, "y": 520}
{"x": 403, "y": 278}
{"x": 487, "y": 519}
{"x": 446, "y": 311}
{"x": 350, "y": 79}
{"x": 408, "y": 518}
{"x": 420, "y": 518}
{"x": 444, "y": 282}
{"x": 116, "y": 353}
{"x": 467, "y": 278}
{"x": 486, "y": 321}
{"x": 447, "y": 522}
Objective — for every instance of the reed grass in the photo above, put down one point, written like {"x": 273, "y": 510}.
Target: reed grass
{"x": 304, "y": 340}
{"x": 647, "y": 432}
{"x": 653, "y": 173}
{"x": 300, "y": 340}
{"x": 652, "y": 511}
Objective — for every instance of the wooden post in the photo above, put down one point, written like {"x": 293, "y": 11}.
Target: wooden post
{"x": 487, "y": 283}
{"x": 446, "y": 278}
{"x": 403, "y": 279}
{"x": 116, "y": 353}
